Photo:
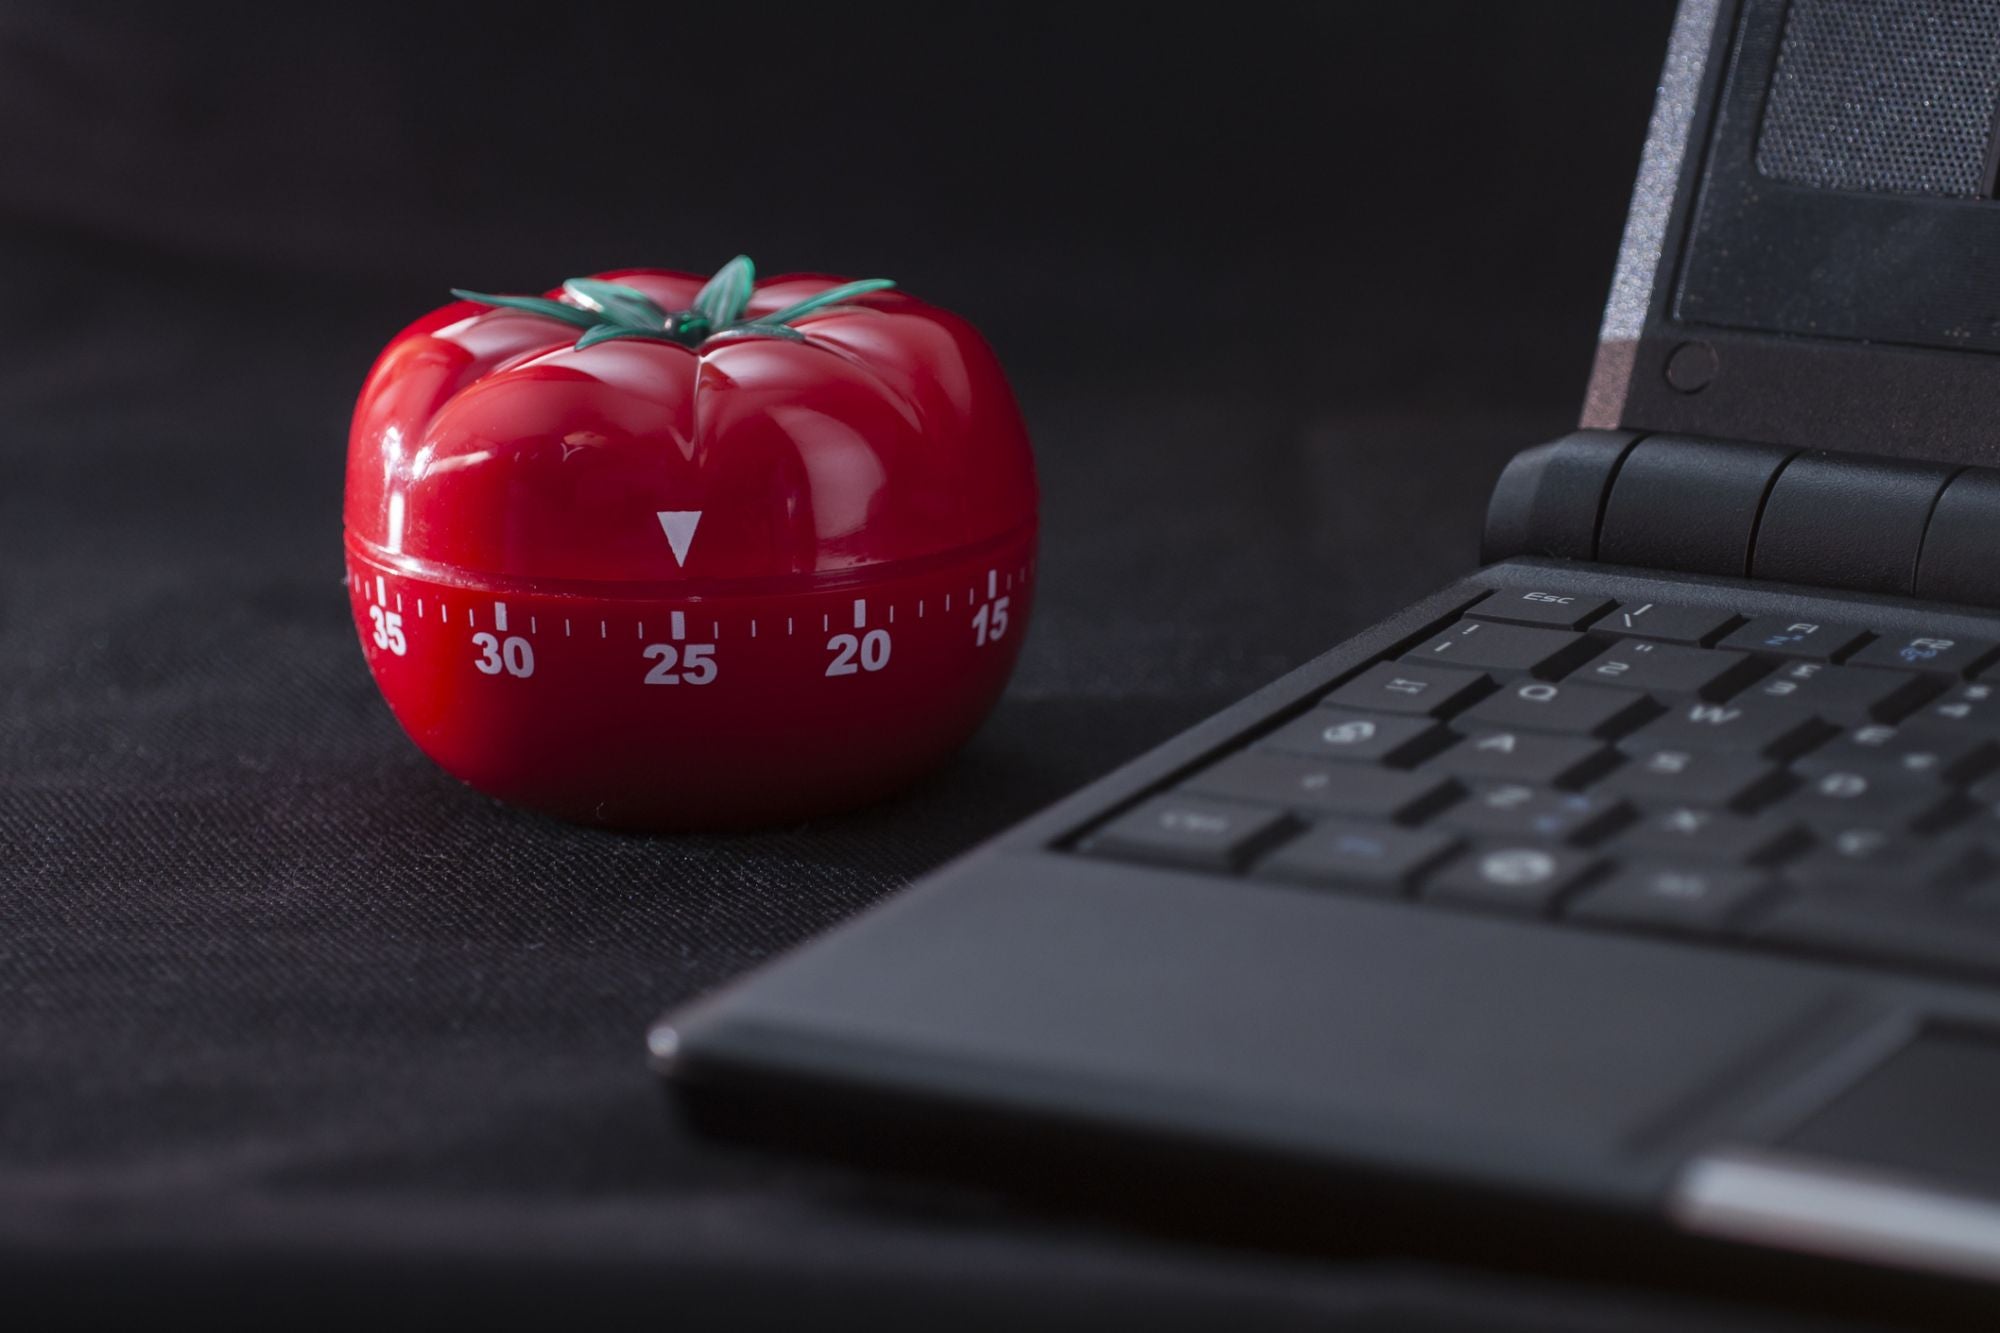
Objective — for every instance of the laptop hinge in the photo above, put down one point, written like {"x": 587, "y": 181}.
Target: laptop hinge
{"x": 1689, "y": 505}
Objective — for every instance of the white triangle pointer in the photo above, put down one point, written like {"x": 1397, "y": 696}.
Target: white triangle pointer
{"x": 679, "y": 525}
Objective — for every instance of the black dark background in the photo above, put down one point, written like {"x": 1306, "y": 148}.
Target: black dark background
{"x": 289, "y": 1022}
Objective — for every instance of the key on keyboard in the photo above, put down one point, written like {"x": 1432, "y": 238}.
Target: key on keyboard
{"x": 1504, "y": 878}
{"x": 1294, "y": 782}
{"x": 1371, "y": 857}
{"x": 1420, "y": 691}
{"x": 1666, "y": 668}
{"x": 1850, "y": 796}
{"x": 1187, "y": 830}
{"x": 1785, "y": 637}
{"x": 1741, "y": 726}
{"x": 1698, "y": 899}
{"x": 1523, "y": 756}
{"x": 1672, "y": 624}
{"x": 1845, "y": 694}
{"x": 1581, "y": 710}
{"x": 1512, "y": 810}
{"x": 1688, "y": 833}
{"x": 1480, "y": 645}
{"x": 1923, "y": 752}
{"x": 1551, "y": 610}
{"x": 1968, "y": 708}
{"x": 1925, "y": 652}
{"x": 1342, "y": 733}
{"x": 1696, "y": 777}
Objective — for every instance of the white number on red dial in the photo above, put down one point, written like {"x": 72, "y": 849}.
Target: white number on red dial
{"x": 853, "y": 653}
{"x": 695, "y": 661}
{"x": 516, "y": 656}
{"x": 989, "y": 622}
{"x": 388, "y": 630}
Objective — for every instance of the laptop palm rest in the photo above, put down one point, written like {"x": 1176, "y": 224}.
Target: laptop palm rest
{"x": 1270, "y": 1019}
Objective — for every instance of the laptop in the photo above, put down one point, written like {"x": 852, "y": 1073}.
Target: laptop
{"x": 1631, "y": 906}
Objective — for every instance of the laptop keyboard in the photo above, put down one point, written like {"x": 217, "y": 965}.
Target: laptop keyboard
{"x": 1811, "y": 788}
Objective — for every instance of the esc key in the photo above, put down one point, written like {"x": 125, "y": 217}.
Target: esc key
{"x": 1553, "y": 610}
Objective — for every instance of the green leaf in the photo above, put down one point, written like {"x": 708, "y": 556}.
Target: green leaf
{"x": 617, "y": 302}
{"x": 535, "y": 305}
{"x": 847, "y": 291}
{"x": 603, "y": 333}
{"x": 726, "y": 294}
{"x": 757, "y": 329}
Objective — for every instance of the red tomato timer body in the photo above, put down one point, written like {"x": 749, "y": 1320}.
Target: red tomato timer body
{"x": 655, "y": 553}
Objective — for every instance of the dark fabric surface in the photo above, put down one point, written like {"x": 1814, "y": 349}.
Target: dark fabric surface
{"x": 294, "y": 1024}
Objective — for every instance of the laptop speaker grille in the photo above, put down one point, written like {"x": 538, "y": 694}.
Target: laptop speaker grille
{"x": 1892, "y": 96}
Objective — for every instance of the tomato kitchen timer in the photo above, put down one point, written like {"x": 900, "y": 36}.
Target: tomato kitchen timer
{"x": 657, "y": 553}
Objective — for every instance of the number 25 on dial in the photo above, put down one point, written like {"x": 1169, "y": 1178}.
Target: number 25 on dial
{"x": 697, "y": 666}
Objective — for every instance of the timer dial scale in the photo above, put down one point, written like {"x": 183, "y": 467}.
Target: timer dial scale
{"x": 682, "y": 578}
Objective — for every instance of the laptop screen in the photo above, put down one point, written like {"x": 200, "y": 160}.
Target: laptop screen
{"x": 1849, "y": 186}
{"x": 1813, "y": 253}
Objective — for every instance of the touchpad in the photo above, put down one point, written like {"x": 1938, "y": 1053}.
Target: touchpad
{"x": 1931, "y": 1108}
